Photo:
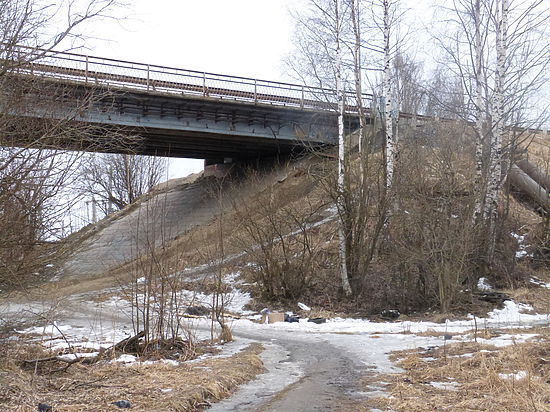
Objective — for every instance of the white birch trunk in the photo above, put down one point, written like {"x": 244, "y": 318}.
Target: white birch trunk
{"x": 479, "y": 114}
{"x": 356, "y": 19}
{"x": 341, "y": 157}
{"x": 495, "y": 167}
{"x": 390, "y": 142}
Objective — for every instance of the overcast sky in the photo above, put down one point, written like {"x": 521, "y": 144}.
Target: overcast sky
{"x": 246, "y": 38}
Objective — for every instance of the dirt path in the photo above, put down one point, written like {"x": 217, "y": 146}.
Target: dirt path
{"x": 328, "y": 377}
{"x": 328, "y": 385}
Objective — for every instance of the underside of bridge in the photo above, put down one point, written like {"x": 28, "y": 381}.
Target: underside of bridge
{"x": 178, "y": 126}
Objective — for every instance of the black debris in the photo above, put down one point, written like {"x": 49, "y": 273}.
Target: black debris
{"x": 122, "y": 404}
{"x": 291, "y": 318}
{"x": 390, "y": 314}
{"x": 493, "y": 297}
{"x": 42, "y": 407}
{"x": 317, "y": 320}
{"x": 197, "y": 310}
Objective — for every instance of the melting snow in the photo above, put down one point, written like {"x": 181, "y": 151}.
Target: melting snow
{"x": 125, "y": 358}
{"x": 449, "y": 386}
{"x": 540, "y": 283}
{"x": 509, "y": 317}
{"x": 52, "y": 330}
{"x": 483, "y": 285}
{"x": 522, "y": 247}
{"x": 513, "y": 376}
{"x": 170, "y": 362}
{"x": 72, "y": 356}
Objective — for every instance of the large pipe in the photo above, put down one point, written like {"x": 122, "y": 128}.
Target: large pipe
{"x": 535, "y": 173}
{"x": 522, "y": 181}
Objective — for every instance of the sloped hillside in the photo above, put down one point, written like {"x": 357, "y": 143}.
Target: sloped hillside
{"x": 176, "y": 227}
{"x": 168, "y": 214}
{"x": 155, "y": 219}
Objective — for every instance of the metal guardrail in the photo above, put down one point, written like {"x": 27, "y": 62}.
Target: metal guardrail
{"x": 161, "y": 79}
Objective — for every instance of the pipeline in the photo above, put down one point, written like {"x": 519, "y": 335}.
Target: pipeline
{"x": 530, "y": 180}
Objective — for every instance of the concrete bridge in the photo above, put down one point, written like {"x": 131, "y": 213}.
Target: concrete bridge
{"x": 181, "y": 113}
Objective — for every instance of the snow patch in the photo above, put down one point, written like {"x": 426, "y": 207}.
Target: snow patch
{"x": 483, "y": 285}
{"x": 52, "y": 330}
{"x": 73, "y": 356}
{"x": 512, "y": 312}
{"x": 522, "y": 247}
{"x": 540, "y": 283}
{"x": 448, "y": 386}
{"x": 512, "y": 315}
{"x": 170, "y": 362}
{"x": 513, "y": 376}
{"x": 125, "y": 358}
{"x": 507, "y": 339}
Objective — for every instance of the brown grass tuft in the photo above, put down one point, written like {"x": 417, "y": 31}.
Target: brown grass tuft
{"x": 472, "y": 373}
{"x": 156, "y": 387}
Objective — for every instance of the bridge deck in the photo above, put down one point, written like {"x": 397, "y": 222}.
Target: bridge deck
{"x": 154, "y": 78}
{"x": 188, "y": 113}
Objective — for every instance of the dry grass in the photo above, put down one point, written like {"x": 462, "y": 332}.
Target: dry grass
{"x": 157, "y": 387}
{"x": 473, "y": 371}
{"x": 538, "y": 297}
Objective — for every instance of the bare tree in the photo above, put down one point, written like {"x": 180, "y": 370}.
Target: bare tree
{"x": 498, "y": 50}
{"x": 342, "y": 248}
{"x": 116, "y": 180}
{"x": 334, "y": 40}
{"x": 409, "y": 90}
{"x": 34, "y": 173}
{"x": 495, "y": 159}
{"x": 391, "y": 149}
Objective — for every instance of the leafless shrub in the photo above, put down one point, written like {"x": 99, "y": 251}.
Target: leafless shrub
{"x": 156, "y": 291}
{"x": 432, "y": 240}
{"x": 277, "y": 236}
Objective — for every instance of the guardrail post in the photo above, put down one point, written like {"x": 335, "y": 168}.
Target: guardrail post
{"x": 302, "y": 99}
{"x": 148, "y": 77}
{"x": 204, "y": 84}
{"x": 255, "y": 91}
{"x": 87, "y": 67}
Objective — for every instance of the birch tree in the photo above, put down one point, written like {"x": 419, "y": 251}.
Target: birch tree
{"x": 499, "y": 51}
{"x": 357, "y": 70}
{"x": 335, "y": 39}
{"x": 496, "y": 159}
{"x": 478, "y": 52}
{"x": 340, "y": 93}
{"x": 391, "y": 148}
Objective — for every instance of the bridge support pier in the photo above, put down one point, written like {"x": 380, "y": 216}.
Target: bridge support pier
{"x": 218, "y": 167}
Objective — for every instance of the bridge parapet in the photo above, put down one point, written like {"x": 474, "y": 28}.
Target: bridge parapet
{"x": 170, "y": 80}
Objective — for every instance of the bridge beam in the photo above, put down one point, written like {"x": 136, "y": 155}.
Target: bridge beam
{"x": 185, "y": 126}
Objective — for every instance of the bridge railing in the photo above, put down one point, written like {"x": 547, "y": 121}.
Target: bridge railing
{"x": 161, "y": 79}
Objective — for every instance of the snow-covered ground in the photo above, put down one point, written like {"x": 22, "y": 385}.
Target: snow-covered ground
{"x": 87, "y": 326}
{"x": 353, "y": 335}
